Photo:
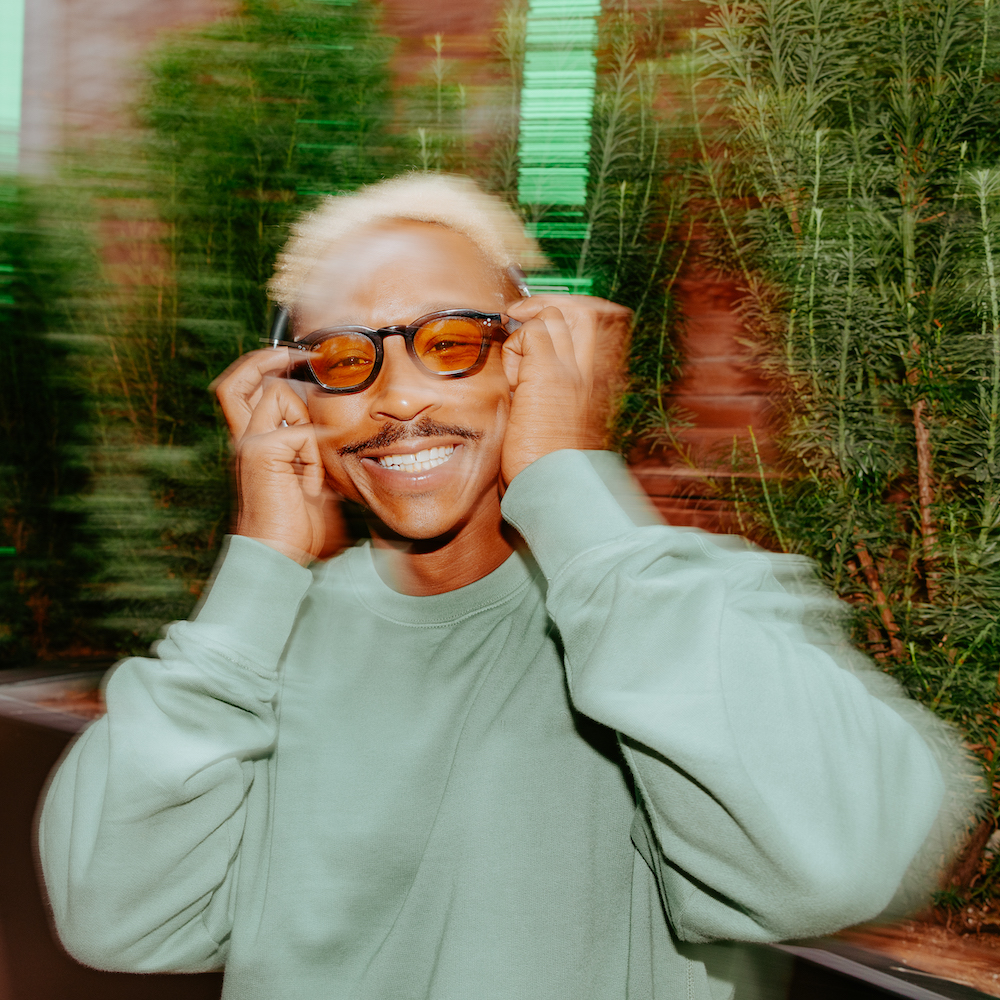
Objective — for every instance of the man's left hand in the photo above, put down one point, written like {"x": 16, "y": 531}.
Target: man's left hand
{"x": 563, "y": 365}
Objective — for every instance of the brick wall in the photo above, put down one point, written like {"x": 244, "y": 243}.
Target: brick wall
{"x": 723, "y": 396}
{"x": 80, "y": 72}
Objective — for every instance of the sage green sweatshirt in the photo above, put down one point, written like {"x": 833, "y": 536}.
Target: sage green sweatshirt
{"x": 536, "y": 786}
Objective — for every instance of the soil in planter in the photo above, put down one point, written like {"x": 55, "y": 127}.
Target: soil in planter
{"x": 971, "y": 959}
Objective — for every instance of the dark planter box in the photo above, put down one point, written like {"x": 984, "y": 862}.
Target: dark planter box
{"x": 34, "y": 733}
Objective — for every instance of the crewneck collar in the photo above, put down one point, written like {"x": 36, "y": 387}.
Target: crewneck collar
{"x": 504, "y": 583}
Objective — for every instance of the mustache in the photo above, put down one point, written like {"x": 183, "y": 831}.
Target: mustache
{"x": 393, "y": 433}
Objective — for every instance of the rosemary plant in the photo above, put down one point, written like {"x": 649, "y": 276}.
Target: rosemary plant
{"x": 43, "y": 267}
{"x": 501, "y": 172}
{"x": 435, "y": 112}
{"x": 858, "y": 198}
{"x": 638, "y": 232}
{"x": 244, "y": 124}
{"x": 627, "y": 239}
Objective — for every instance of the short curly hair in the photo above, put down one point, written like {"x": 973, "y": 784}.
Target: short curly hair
{"x": 447, "y": 200}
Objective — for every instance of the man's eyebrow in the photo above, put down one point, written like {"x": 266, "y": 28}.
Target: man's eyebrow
{"x": 438, "y": 307}
{"x": 426, "y": 309}
{"x": 433, "y": 307}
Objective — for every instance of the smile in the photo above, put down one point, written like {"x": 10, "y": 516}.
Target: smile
{"x": 429, "y": 458}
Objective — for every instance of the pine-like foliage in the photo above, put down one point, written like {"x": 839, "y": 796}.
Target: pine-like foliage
{"x": 435, "y": 114}
{"x": 42, "y": 407}
{"x": 244, "y": 124}
{"x": 856, "y": 190}
{"x": 636, "y": 239}
{"x": 632, "y": 246}
{"x": 248, "y": 121}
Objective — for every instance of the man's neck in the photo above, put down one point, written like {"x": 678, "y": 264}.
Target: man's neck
{"x": 421, "y": 567}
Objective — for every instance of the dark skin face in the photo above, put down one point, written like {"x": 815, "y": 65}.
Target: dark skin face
{"x": 393, "y": 275}
{"x": 438, "y": 527}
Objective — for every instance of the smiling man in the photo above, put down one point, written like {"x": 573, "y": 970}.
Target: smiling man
{"x": 527, "y": 742}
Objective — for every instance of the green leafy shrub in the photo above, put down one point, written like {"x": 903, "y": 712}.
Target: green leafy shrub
{"x": 435, "y": 116}
{"x": 628, "y": 242}
{"x": 637, "y": 235}
{"x": 857, "y": 195}
{"x": 245, "y": 123}
{"x": 43, "y": 267}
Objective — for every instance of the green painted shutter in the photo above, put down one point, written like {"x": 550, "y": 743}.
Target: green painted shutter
{"x": 557, "y": 103}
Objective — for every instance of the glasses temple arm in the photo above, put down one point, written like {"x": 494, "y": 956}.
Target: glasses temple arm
{"x": 519, "y": 279}
{"x": 279, "y": 327}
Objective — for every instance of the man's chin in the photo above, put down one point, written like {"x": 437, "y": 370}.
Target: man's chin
{"x": 414, "y": 532}
{"x": 431, "y": 522}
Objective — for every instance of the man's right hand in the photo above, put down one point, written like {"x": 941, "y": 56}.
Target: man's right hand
{"x": 284, "y": 499}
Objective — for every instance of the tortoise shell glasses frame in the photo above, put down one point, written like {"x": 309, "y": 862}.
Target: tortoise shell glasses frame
{"x": 449, "y": 343}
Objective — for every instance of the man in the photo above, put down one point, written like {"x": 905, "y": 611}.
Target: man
{"x": 525, "y": 744}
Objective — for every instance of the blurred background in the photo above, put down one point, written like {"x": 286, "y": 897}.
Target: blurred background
{"x": 799, "y": 201}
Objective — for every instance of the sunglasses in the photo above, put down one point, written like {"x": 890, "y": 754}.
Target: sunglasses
{"x": 451, "y": 343}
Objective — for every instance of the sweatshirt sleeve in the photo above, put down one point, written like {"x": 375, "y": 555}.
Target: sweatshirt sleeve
{"x": 142, "y": 823}
{"x": 776, "y": 797}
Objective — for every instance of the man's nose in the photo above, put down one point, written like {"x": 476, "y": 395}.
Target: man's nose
{"x": 402, "y": 391}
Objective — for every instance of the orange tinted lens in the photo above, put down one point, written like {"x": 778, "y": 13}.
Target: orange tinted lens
{"x": 343, "y": 361}
{"x": 448, "y": 345}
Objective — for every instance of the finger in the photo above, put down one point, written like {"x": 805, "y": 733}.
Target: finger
{"x": 242, "y": 369}
{"x": 572, "y": 323}
{"x": 582, "y": 325}
{"x": 278, "y": 404}
{"x": 550, "y": 326}
{"x": 525, "y": 309}
{"x": 284, "y": 451}
{"x": 530, "y": 350}
{"x": 566, "y": 302}
{"x": 562, "y": 336}
{"x": 313, "y": 470}
{"x": 240, "y": 386}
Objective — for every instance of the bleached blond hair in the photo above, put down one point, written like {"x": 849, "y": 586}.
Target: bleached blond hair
{"x": 447, "y": 200}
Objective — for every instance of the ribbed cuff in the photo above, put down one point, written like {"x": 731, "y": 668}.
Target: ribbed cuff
{"x": 255, "y": 591}
{"x": 562, "y": 507}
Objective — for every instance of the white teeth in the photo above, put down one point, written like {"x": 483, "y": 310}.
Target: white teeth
{"x": 420, "y": 462}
